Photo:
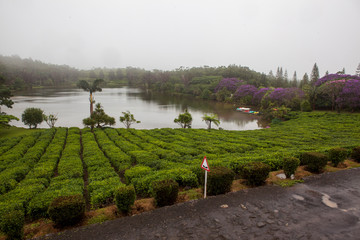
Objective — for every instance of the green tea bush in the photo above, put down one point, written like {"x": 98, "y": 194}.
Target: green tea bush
{"x": 143, "y": 157}
{"x": 219, "y": 180}
{"x": 355, "y": 154}
{"x": 67, "y": 210}
{"x": 337, "y": 155}
{"x": 290, "y": 164}
{"x": 125, "y": 198}
{"x": 185, "y": 178}
{"x": 12, "y": 224}
{"x": 314, "y": 161}
{"x": 238, "y": 167}
{"x": 137, "y": 171}
{"x": 59, "y": 186}
{"x": 256, "y": 173}
{"x": 165, "y": 192}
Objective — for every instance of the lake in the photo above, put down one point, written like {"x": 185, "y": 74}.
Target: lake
{"x": 153, "y": 110}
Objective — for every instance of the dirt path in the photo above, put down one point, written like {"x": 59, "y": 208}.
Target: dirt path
{"x": 326, "y": 206}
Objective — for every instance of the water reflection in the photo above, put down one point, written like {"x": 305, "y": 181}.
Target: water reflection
{"x": 153, "y": 110}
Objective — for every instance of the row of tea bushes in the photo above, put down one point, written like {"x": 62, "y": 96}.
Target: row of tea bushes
{"x": 118, "y": 159}
{"x": 18, "y": 151}
{"x": 102, "y": 177}
{"x": 17, "y": 169}
{"x": 35, "y": 182}
{"x": 7, "y": 144}
{"x": 69, "y": 176}
{"x": 121, "y": 142}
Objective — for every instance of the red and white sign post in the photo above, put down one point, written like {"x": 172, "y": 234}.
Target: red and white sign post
{"x": 205, "y": 166}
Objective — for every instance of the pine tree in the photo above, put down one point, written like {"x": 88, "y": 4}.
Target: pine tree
{"x": 304, "y": 81}
{"x": 286, "y": 78}
{"x": 271, "y": 75}
{"x": 358, "y": 70}
{"x": 314, "y": 74}
{"x": 294, "y": 80}
{"x": 295, "y": 77}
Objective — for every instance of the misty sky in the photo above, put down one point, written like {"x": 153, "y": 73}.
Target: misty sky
{"x": 167, "y": 34}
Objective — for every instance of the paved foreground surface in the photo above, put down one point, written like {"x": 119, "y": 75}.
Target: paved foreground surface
{"x": 326, "y": 206}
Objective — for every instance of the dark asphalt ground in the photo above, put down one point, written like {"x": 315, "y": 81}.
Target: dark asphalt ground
{"x": 325, "y": 206}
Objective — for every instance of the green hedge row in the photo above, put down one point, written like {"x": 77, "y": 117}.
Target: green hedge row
{"x": 37, "y": 179}
{"x": 142, "y": 184}
{"x": 102, "y": 177}
{"x": 19, "y": 168}
{"x": 121, "y": 142}
{"x": 118, "y": 158}
{"x": 7, "y": 144}
{"x": 18, "y": 150}
{"x": 162, "y": 149}
{"x": 70, "y": 165}
{"x": 45, "y": 168}
{"x": 69, "y": 180}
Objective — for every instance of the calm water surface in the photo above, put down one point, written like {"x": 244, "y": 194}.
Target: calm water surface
{"x": 153, "y": 110}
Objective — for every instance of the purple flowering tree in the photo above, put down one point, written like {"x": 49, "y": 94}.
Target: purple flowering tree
{"x": 335, "y": 76}
{"x": 258, "y": 96}
{"x": 230, "y": 84}
{"x": 342, "y": 90}
{"x": 332, "y": 90}
{"x": 288, "y": 97}
{"x": 349, "y": 95}
{"x": 244, "y": 94}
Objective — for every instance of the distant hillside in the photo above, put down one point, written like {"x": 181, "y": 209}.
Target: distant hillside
{"x": 25, "y": 73}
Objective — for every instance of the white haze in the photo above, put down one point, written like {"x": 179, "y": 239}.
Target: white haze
{"x": 167, "y": 34}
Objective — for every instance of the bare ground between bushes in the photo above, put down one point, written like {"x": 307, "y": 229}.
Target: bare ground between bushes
{"x": 325, "y": 206}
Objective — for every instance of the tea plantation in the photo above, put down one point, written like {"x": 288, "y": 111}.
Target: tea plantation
{"x": 41, "y": 166}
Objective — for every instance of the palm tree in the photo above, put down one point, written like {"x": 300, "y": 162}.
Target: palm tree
{"x": 94, "y": 87}
{"x": 211, "y": 118}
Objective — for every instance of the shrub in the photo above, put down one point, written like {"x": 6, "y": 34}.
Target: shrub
{"x": 136, "y": 172}
{"x": 165, "y": 192}
{"x": 67, "y": 210}
{"x": 355, "y": 154}
{"x": 305, "y": 106}
{"x": 290, "y": 165}
{"x": 238, "y": 167}
{"x": 337, "y": 155}
{"x": 125, "y": 198}
{"x": 185, "y": 178}
{"x": 12, "y": 224}
{"x": 219, "y": 180}
{"x": 256, "y": 173}
{"x": 314, "y": 161}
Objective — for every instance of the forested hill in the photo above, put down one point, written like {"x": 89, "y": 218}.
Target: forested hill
{"x": 25, "y": 73}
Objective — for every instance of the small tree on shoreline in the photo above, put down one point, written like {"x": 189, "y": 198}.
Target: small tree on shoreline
{"x": 98, "y": 118}
{"x": 128, "y": 119}
{"x": 212, "y": 118}
{"x": 32, "y": 117}
{"x": 51, "y": 119}
{"x": 184, "y": 119}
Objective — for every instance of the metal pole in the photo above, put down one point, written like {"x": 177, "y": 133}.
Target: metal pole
{"x": 205, "y": 184}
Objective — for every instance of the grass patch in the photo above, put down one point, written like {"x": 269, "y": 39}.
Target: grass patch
{"x": 101, "y": 215}
{"x": 191, "y": 194}
{"x": 15, "y": 132}
{"x": 143, "y": 205}
{"x": 345, "y": 165}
